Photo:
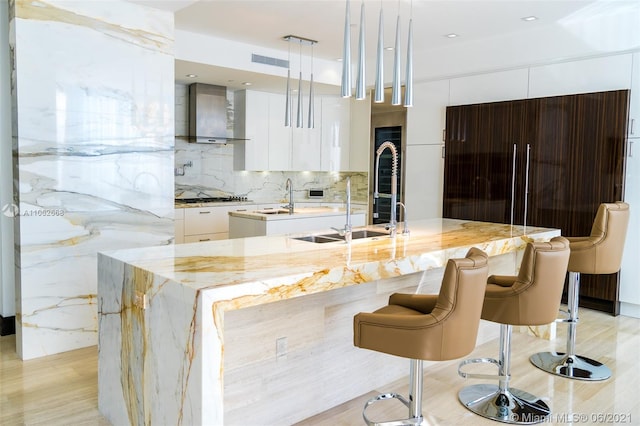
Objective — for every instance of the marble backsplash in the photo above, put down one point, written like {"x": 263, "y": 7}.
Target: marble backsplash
{"x": 207, "y": 170}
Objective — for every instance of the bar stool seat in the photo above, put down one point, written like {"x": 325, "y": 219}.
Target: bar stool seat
{"x": 530, "y": 298}
{"x": 426, "y": 327}
{"x": 599, "y": 253}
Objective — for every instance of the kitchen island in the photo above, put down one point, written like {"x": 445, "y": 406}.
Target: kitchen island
{"x": 259, "y": 330}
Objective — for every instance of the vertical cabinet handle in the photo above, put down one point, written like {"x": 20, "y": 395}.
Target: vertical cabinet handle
{"x": 631, "y": 129}
{"x": 630, "y": 148}
{"x": 513, "y": 181}
{"x": 526, "y": 188}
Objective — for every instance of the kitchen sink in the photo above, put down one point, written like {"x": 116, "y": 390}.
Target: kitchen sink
{"x": 318, "y": 239}
{"x": 332, "y": 238}
{"x": 274, "y": 211}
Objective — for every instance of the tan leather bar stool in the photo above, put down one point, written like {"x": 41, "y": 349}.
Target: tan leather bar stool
{"x": 530, "y": 298}
{"x": 599, "y": 253}
{"x": 426, "y": 327}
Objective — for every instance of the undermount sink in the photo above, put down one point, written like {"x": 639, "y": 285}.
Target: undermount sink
{"x": 332, "y": 238}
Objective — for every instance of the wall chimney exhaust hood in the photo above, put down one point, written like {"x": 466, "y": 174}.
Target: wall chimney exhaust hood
{"x": 208, "y": 114}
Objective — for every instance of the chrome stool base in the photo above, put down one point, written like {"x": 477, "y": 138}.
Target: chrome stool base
{"x": 510, "y": 405}
{"x": 572, "y": 367}
{"x": 414, "y": 403}
{"x": 401, "y": 422}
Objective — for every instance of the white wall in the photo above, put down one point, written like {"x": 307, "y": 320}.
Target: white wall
{"x": 7, "y": 289}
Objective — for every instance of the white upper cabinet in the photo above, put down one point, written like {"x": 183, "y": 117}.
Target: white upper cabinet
{"x": 589, "y": 75}
{"x": 260, "y": 118}
{"x": 426, "y": 120}
{"x": 306, "y": 142}
{"x": 360, "y": 140}
{"x": 251, "y": 122}
{"x": 492, "y": 87}
{"x": 279, "y": 135}
{"x": 634, "y": 106}
{"x": 335, "y": 128}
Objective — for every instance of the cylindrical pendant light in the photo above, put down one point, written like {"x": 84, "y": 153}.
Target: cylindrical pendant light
{"x": 360, "y": 79}
{"x": 408, "y": 84}
{"x": 299, "y": 119}
{"x": 395, "y": 85}
{"x": 346, "y": 55}
{"x": 379, "y": 88}
{"x": 287, "y": 107}
{"x": 311, "y": 120}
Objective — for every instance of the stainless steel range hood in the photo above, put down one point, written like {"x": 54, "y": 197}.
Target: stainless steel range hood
{"x": 208, "y": 114}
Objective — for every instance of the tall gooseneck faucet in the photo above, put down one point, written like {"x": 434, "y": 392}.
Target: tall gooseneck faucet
{"x": 290, "y": 189}
{"x": 394, "y": 182}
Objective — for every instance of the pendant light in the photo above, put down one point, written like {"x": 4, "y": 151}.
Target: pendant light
{"x": 379, "y": 88}
{"x": 346, "y": 55}
{"x": 311, "y": 120}
{"x": 287, "y": 108}
{"x": 360, "y": 79}
{"x": 299, "y": 115}
{"x": 395, "y": 85}
{"x": 408, "y": 89}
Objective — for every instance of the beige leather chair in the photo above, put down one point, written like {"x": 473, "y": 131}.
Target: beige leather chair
{"x": 427, "y": 327}
{"x": 530, "y": 298}
{"x": 599, "y": 253}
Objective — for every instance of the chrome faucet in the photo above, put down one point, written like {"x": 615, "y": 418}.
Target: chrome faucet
{"x": 290, "y": 189}
{"x": 405, "y": 224}
{"x": 346, "y": 232}
{"x": 391, "y": 226}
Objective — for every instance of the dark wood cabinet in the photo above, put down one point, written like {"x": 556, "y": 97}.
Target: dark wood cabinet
{"x": 544, "y": 162}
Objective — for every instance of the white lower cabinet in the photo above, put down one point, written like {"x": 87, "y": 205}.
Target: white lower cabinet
{"x": 206, "y": 223}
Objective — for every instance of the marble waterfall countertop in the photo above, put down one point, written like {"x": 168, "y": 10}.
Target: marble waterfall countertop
{"x": 162, "y": 309}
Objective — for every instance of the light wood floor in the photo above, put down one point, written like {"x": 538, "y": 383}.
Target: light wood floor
{"x": 62, "y": 389}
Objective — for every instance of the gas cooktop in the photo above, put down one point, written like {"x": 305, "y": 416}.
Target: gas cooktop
{"x": 210, "y": 199}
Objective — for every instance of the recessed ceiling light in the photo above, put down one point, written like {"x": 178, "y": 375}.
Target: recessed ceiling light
{"x": 191, "y": 75}
{"x": 246, "y": 83}
{"x": 339, "y": 59}
{"x": 451, "y": 35}
{"x": 530, "y": 18}
{"x": 388, "y": 48}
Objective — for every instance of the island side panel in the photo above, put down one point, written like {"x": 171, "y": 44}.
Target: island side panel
{"x": 150, "y": 357}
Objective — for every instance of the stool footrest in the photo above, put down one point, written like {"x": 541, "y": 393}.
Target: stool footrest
{"x": 466, "y": 375}
{"x": 400, "y": 422}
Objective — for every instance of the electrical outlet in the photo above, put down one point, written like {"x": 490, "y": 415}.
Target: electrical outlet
{"x": 281, "y": 347}
{"x": 140, "y": 300}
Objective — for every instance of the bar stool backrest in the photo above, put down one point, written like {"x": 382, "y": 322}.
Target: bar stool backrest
{"x": 533, "y": 296}
{"x": 601, "y": 252}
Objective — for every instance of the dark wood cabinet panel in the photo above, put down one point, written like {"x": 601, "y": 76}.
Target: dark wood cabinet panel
{"x": 545, "y": 161}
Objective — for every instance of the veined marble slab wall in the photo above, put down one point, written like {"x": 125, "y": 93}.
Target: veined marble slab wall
{"x": 212, "y": 173}
{"x": 93, "y": 86}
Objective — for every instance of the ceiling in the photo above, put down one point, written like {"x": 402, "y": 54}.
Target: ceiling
{"x": 264, "y": 23}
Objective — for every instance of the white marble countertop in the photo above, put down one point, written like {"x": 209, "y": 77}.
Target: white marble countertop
{"x": 254, "y": 262}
